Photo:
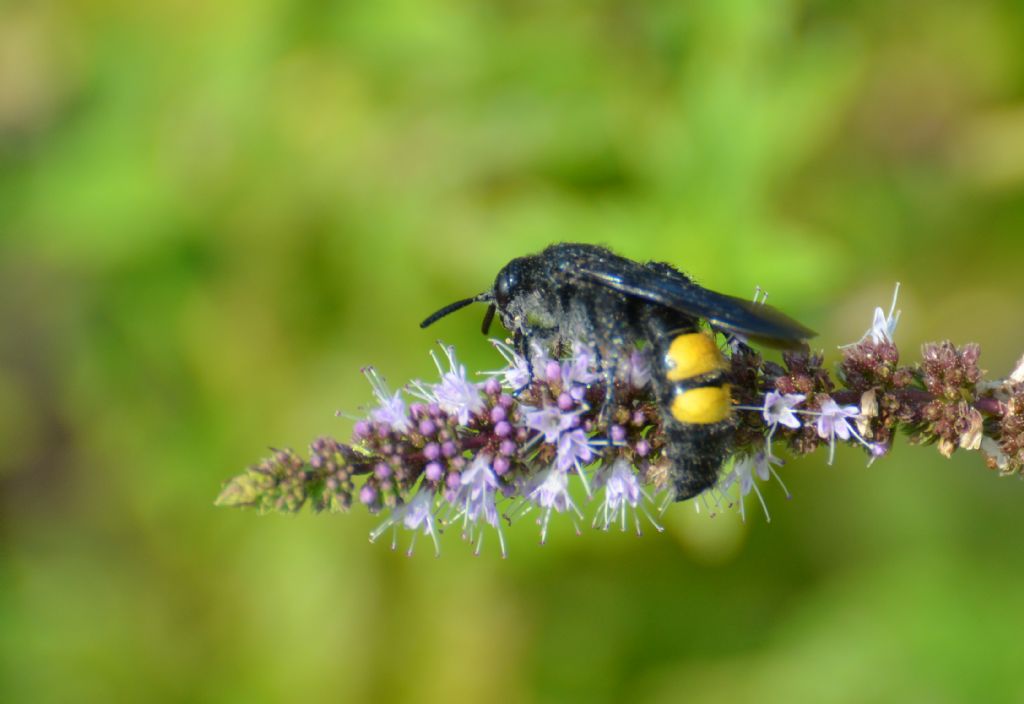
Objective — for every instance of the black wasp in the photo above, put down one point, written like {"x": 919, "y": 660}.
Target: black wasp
{"x": 584, "y": 292}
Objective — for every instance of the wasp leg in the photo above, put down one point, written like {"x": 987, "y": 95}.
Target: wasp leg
{"x": 609, "y": 395}
{"x": 521, "y": 344}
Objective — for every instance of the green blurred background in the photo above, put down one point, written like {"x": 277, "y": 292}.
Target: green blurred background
{"x": 213, "y": 214}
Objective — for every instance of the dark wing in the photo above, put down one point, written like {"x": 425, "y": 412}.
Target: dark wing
{"x": 665, "y": 286}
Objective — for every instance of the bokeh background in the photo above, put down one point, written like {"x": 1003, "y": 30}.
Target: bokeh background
{"x": 213, "y": 214}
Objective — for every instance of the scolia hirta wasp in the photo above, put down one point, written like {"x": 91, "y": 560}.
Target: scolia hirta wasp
{"x": 586, "y": 293}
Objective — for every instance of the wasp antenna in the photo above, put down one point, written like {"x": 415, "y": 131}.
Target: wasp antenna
{"x": 452, "y": 307}
{"x": 488, "y": 317}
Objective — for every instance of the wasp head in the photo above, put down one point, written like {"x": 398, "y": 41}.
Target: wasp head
{"x": 511, "y": 297}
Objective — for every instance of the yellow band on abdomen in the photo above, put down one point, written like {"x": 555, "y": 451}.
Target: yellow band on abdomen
{"x": 707, "y": 404}
{"x": 693, "y": 354}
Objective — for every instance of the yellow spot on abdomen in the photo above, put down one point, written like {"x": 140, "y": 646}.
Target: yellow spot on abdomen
{"x": 693, "y": 354}
{"x": 707, "y": 404}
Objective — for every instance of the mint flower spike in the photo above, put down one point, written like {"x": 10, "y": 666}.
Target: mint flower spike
{"x": 454, "y": 453}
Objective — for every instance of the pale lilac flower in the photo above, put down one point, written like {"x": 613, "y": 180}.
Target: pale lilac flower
{"x": 833, "y": 422}
{"x": 478, "y": 485}
{"x": 883, "y": 327}
{"x": 516, "y": 374}
{"x": 455, "y": 394}
{"x": 745, "y": 471}
{"x": 576, "y": 371}
{"x": 639, "y": 369}
{"x": 417, "y": 515}
{"x": 551, "y": 493}
{"x": 573, "y": 450}
{"x": 391, "y": 410}
{"x": 778, "y": 409}
{"x": 550, "y": 421}
{"x": 474, "y": 500}
{"x": 622, "y": 494}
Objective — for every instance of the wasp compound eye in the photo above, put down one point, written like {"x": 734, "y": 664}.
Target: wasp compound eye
{"x": 509, "y": 279}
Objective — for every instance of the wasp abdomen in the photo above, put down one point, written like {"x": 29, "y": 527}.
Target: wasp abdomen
{"x": 697, "y": 407}
{"x": 691, "y": 355}
{"x": 695, "y": 367}
{"x": 703, "y": 405}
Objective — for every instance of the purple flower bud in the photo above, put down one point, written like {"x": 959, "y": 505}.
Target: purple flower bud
{"x": 638, "y": 419}
{"x": 434, "y": 410}
{"x": 432, "y": 451}
{"x": 433, "y": 471}
{"x": 506, "y": 401}
{"x": 381, "y": 470}
{"x": 507, "y": 447}
{"x": 427, "y": 427}
{"x": 448, "y": 449}
{"x": 417, "y": 409}
{"x": 383, "y": 430}
{"x": 498, "y": 414}
{"x": 362, "y": 430}
{"x": 316, "y": 461}
{"x": 503, "y": 429}
{"x": 553, "y": 371}
{"x": 454, "y": 481}
{"x": 367, "y": 495}
{"x": 643, "y": 448}
{"x": 501, "y": 465}
{"x": 492, "y": 387}
{"x": 565, "y": 401}
{"x": 617, "y": 433}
